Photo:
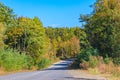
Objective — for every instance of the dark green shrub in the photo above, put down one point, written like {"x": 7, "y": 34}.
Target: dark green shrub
{"x": 92, "y": 63}
{"x": 107, "y": 60}
{"x": 85, "y": 54}
{"x": 116, "y": 61}
{"x": 88, "y": 58}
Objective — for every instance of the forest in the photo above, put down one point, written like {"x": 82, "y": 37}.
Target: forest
{"x": 26, "y": 44}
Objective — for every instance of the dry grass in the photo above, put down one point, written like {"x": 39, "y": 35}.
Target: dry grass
{"x": 94, "y": 71}
{"x": 110, "y": 71}
{"x": 2, "y": 72}
{"x": 106, "y": 68}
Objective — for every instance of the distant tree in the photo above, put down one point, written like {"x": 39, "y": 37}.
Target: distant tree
{"x": 75, "y": 47}
{"x": 66, "y": 41}
{"x": 50, "y": 32}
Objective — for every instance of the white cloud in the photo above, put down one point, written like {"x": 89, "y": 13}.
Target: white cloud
{"x": 54, "y": 25}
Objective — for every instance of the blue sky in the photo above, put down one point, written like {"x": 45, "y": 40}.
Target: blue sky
{"x": 56, "y": 13}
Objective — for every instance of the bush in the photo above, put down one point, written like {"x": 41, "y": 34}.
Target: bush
{"x": 93, "y": 62}
{"x": 85, "y": 54}
{"x": 43, "y": 63}
{"x": 84, "y": 65}
{"x": 107, "y": 60}
{"x": 116, "y": 61}
{"x": 11, "y": 60}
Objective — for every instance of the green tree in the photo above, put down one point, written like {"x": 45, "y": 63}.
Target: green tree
{"x": 7, "y": 19}
{"x": 102, "y": 27}
{"x": 33, "y": 37}
{"x": 82, "y": 36}
{"x": 6, "y": 14}
{"x": 13, "y": 40}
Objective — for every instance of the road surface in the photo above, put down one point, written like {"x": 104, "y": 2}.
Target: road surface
{"x": 57, "y": 71}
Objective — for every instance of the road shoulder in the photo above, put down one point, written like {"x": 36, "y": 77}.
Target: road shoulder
{"x": 83, "y": 75}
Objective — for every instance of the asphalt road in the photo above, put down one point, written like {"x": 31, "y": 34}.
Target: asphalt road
{"x": 57, "y": 71}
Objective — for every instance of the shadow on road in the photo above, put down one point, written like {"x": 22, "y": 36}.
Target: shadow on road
{"x": 61, "y": 66}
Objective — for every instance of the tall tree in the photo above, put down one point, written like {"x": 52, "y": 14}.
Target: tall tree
{"x": 8, "y": 19}
{"x": 33, "y": 37}
{"x": 102, "y": 27}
